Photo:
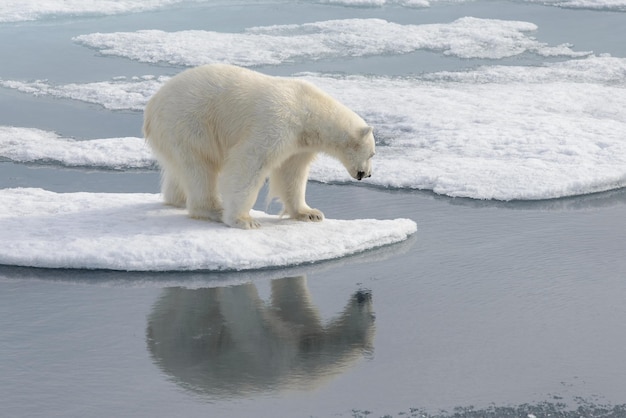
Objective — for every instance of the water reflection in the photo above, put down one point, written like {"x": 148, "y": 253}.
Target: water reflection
{"x": 227, "y": 341}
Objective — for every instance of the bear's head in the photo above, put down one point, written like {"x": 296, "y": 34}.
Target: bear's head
{"x": 358, "y": 158}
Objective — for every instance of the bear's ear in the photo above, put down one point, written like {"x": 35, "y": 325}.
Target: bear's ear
{"x": 366, "y": 131}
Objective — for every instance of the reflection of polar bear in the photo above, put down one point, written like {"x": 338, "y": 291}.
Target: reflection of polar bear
{"x": 219, "y": 131}
{"x": 227, "y": 341}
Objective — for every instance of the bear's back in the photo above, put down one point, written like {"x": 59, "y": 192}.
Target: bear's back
{"x": 220, "y": 103}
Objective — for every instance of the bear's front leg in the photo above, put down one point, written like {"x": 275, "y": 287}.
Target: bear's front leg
{"x": 237, "y": 206}
{"x": 240, "y": 181}
{"x": 203, "y": 200}
{"x": 288, "y": 183}
{"x": 241, "y": 221}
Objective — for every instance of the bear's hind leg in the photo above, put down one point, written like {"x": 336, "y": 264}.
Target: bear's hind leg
{"x": 288, "y": 183}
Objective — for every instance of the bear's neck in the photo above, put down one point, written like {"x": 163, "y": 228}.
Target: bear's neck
{"x": 325, "y": 122}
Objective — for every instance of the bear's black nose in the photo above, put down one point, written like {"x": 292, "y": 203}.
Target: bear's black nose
{"x": 360, "y": 175}
{"x": 363, "y": 296}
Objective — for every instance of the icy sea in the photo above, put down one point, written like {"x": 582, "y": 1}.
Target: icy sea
{"x": 480, "y": 271}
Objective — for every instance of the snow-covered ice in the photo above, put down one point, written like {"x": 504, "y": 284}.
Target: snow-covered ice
{"x": 136, "y": 232}
{"x": 614, "y": 5}
{"x": 30, "y": 10}
{"x": 37, "y": 146}
{"x": 466, "y": 37}
{"x": 497, "y": 132}
{"x": 118, "y": 94}
{"x": 25, "y": 10}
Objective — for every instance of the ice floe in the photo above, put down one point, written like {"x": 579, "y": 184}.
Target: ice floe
{"x": 120, "y": 93}
{"x": 538, "y": 138}
{"x": 466, "y": 37}
{"x": 25, "y": 10}
{"x": 497, "y": 132}
{"x": 37, "y": 146}
{"x": 30, "y": 10}
{"x": 136, "y": 232}
{"x": 614, "y": 5}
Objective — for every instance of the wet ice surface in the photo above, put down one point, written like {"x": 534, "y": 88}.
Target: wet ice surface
{"x": 135, "y": 232}
{"x": 28, "y": 145}
{"x": 619, "y": 5}
{"x": 27, "y": 10}
{"x": 492, "y": 308}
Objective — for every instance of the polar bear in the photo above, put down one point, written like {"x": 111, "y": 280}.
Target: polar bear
{"x": 219, "y": 131}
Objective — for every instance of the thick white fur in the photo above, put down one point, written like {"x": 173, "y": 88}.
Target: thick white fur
{"x": 218, "y": 131}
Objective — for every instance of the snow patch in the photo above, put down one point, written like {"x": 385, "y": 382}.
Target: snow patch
{"x": 466, "y": 37}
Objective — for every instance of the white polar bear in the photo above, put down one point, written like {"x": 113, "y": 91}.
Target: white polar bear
{"x": 218, "y": 131}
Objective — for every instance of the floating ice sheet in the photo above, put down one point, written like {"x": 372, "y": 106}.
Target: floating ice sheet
{"x": 497, "y": 132}
{"x": 466, "y": 37}
{"x": 136, "y": 232}
{"x": 615, "y": 5}
{"x": 120, "y": 93}
{"x": 34, "y": 145}
{"x": 133, "y": 93}
{"x": 29, "y": 10}
{"x": 25, "y": 10}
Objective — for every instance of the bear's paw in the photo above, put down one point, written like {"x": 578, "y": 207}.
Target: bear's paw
{"x": 310, "y": 215}
{"x": 243, "y": 222}
{"x": 209, "y": 214}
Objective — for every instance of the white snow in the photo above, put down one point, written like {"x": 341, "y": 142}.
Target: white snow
{"x": 497, "y": 132}
{"x": 118, "y": 94}
{"x": 466, "y": 37}
{"x": 494, "y": 133}
{"x": 30, "y": 10}
{"x": 136, "y": 232}
{"x": 25, "y": 10}
{"x": 34, "y": 145}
